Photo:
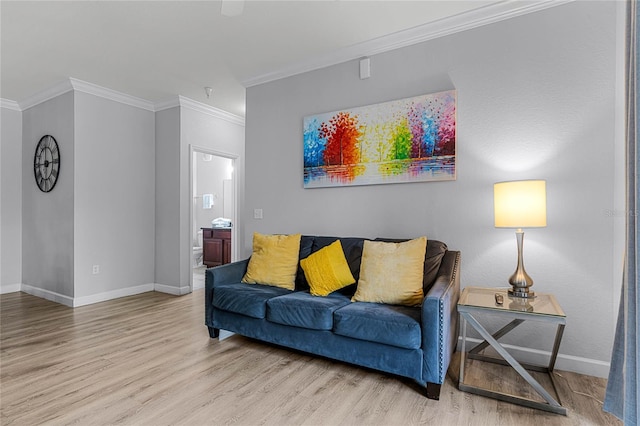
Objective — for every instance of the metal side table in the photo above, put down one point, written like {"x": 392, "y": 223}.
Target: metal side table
{"x": 542, "y": 308}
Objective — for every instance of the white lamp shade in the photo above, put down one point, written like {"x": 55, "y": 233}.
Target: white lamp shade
{"x": 520, "y": 204}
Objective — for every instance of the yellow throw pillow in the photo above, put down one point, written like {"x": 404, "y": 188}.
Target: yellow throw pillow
{"x": 327, "y": 270}
{"x": 274, "y": 260}
{"x": 392, "y": 272}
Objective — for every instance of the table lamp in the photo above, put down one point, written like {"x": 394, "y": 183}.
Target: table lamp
{"x": 520, "y": 204}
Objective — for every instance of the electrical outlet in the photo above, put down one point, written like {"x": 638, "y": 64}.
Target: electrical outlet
{"x": 257, "y": 213}
{"x": 96, "y": 269}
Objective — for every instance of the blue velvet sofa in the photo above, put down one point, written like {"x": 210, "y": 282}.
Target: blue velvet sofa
{"x": 415, "y": 342}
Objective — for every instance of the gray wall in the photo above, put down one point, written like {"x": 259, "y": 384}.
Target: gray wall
{"x": 114, "y": 195}
{"x": 177, "y": 131}
{"x": 536, "y": 99}
{"x": 48, "y": 218}
{"x": 202, "y": 130}
{"x": 101, "y": 211}
{"x": 122, "y": 202}
{"x": 11, "y": 200}
{"x": 167, "y": 208}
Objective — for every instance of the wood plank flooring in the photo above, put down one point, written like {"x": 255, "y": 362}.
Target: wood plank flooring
{"x": 148, "y": 360}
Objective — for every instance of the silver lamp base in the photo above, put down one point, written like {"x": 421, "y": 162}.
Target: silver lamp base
{"x": 515, "y": 292}
{"x": 520, "y": 281}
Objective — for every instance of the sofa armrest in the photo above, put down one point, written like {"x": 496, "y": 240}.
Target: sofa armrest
{"x": 225, "y": 274}
{"x": 214, "y": 277}
{"x": 440, "y": 319}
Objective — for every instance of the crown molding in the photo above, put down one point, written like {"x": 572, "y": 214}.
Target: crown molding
{"x": 183, "y": 102}
{"x": 93, "y": 89}
{"x": 123, "y": 98}
{"x": 167, "y": 104}
{"x": 85, "y": 87}
{"x": 209, "y": 110}
{"x": 465, "y": 21}
{"x": 47, "y": 94}
{"x": 9, "y": 104}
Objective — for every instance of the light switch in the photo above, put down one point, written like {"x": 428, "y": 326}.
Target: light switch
{"x": 257, "y": 213}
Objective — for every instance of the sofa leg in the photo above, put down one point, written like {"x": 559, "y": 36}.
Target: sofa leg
{"x": 213, "y": 332}
{"x": 433, "y": 390}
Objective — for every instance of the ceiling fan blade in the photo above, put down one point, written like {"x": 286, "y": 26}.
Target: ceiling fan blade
{"x": 232, "y": 7}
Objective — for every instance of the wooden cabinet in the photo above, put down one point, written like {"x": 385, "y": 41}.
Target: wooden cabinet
{"x": 216, "y": 246}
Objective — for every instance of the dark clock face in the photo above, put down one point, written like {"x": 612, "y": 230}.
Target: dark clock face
{"x": 46, "y": 163}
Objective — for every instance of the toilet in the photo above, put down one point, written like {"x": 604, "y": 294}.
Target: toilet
{"x": 197, "y": 250}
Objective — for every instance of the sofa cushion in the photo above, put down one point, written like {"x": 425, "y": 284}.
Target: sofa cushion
{"x": 301, "y": 309}
{"x": 327, "y": 270}
{"x": 352, "y": 248}
{"x": 432, "y": 259}
{"x": 274, "y": 260}
{"x": 389, "y": 324}
{"x": 246, "y": 299}
{"x": 392, "y": 272}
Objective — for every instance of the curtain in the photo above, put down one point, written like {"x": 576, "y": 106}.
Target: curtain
{"x": 621, "y": 397}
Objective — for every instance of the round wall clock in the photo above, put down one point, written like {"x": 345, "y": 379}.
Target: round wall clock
{"x": 46, "y": 163}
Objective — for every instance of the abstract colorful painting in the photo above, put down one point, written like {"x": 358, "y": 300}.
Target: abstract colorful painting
{"x": 408, "y": 140}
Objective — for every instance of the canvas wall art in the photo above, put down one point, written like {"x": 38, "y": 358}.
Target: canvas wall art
{"x": 407, "y": 140}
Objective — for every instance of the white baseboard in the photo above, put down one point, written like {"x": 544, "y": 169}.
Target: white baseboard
{"x": 48, "y": 295}
{"x": 10, "y": 288}
{"x": 176, "y": 291}
{"x": 98, "y": 297}
{"x": 114, "y": 294}
{"x": 590, "y": 367}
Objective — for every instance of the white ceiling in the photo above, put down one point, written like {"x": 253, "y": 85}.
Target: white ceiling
{"x": 156, "y": 50}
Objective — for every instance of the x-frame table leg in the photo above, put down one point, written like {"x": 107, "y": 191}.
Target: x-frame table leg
{"x": 491, "y": 340}
{"x": 498, "y": 334}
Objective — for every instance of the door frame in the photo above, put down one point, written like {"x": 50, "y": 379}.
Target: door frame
{"x": 234, "y": 220}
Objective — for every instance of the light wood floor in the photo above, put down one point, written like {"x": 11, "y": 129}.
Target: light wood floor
{"x": 148, "y": 360}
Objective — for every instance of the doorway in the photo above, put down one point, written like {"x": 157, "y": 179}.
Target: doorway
{"x": 213, "y": 204}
